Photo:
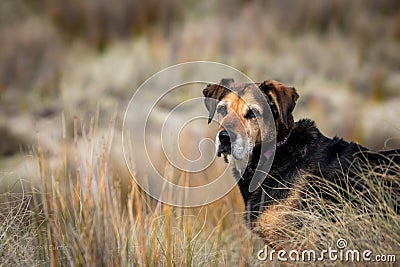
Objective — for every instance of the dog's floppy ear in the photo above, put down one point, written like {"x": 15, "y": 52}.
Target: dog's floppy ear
{"x": 215, "y": 92}
{"x": 283, "y": 97}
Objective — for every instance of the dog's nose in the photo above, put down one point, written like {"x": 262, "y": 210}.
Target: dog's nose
{"x": 226, "y": 137}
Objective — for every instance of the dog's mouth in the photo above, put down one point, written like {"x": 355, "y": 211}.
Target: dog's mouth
{"x": 224, "y": 150}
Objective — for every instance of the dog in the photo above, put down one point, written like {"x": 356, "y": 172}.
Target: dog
{"x": 253, "y": 116}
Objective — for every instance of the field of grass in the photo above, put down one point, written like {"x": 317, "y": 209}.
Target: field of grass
{"x": 85, "y": 215}
{"x": 68, "y": 70}
{"x": 82, "y": 213}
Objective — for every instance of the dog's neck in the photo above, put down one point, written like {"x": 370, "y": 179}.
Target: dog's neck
{"x": 250, "y": 169}
{"x": 304, "y": 130}
{"x": 282, "y": 131}
{"x": 272, "y": 148}
{"x": 271, "y": 151}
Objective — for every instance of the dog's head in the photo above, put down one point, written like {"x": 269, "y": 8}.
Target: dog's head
{"x": 244, "y": 114}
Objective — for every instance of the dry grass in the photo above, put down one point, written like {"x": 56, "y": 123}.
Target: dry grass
{"x": 367, "y": 220}
{"x": 19, "y": 233}
{"x": 86, "y": 210}
{"x": 80, "y": 215}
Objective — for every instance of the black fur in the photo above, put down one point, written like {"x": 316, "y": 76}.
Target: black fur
{"x": 309, "y": 151}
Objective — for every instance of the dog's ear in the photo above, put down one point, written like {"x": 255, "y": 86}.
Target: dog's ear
{"x": 283, "y": 97}
{"x": 214, "y": 93}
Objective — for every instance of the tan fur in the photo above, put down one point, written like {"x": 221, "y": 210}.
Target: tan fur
{"x": 237, "y": 109}
{"x": 277, "y": 223}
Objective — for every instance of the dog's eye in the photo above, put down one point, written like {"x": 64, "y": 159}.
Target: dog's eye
{"x": 222, "y": 110}
{"x": 251, "y": 114}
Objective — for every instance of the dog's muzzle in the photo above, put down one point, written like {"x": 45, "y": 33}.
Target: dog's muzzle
{"x": 224, "y": 145}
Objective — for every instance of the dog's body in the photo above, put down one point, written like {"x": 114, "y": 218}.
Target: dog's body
{"x": 302, "y": 152}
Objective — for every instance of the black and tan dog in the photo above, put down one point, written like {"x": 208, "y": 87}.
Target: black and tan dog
{"x": 247, "y": 114}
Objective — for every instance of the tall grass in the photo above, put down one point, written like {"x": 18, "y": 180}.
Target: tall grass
{"x": 18, "y": 235}
{"x": 80, "y": 216}
{"x": 367, "y": 218}
{"x": 85, "y": 211}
